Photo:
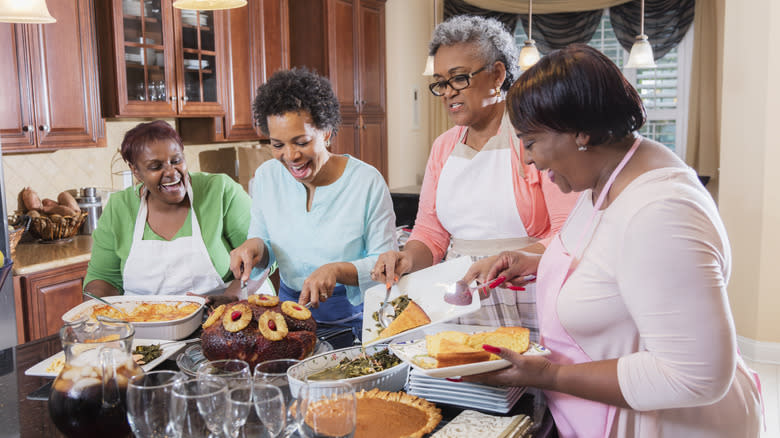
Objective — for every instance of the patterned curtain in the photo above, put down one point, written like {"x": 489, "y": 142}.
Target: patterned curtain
{"x": 666, "y": 22}
{"x": 556, "y": 31}
{"x": 460, "y": 7}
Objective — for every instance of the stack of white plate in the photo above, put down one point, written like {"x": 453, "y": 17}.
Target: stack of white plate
{"x": 191, "y": 17}
{"x": 131, "y": 7}
{"x": 192, "y": 64}
{"x": 470, "y": 395}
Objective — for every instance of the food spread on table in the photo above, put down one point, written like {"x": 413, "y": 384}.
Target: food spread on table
{"x": 450, "y": 348}
{"x": 258, "y": 329}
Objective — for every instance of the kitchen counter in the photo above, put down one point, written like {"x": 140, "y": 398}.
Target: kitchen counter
{"x": 33, "y": 257}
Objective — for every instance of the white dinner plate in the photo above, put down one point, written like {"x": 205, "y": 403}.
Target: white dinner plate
{"x": 427, "y": 288}
{"x": 168, "y": 348}
{"x": 414, "y": 351}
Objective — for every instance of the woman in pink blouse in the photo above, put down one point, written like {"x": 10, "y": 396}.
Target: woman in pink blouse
{"x": 478, "y": 194}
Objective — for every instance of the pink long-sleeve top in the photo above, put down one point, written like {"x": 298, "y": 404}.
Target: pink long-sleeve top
{"x": 541, "y": 205}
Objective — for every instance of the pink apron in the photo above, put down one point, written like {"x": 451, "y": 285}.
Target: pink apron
{"x": 574, "y": 416}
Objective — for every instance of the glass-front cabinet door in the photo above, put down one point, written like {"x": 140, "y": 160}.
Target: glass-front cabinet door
{"x": 167, "y": 59}
{"x": 148, "y": 48}
{"x": 200, "y": 62}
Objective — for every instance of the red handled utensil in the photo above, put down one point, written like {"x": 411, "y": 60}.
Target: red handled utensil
{"x": 463, "y": 294}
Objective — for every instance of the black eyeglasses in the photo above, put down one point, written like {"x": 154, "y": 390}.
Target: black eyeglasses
{"x": 457, "y": 83}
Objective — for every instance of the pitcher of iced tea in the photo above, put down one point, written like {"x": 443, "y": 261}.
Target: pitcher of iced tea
{"x": 88, "y": 396}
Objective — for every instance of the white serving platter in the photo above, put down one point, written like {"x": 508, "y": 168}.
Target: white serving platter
{"x": 414, "y": 351}
{"x": 427, "y": 288}
{"x": 41, "y": 369}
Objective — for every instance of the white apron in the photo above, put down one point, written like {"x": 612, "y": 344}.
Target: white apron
{"x": 161, "y": 267}
{"x": 475, "y": 203}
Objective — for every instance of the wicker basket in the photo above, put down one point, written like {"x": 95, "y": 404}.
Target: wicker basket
{"x": 19, "y": 225}
{"x": 57, "y": 227}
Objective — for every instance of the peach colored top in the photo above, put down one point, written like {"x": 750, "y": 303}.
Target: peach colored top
{"x": 541, "y": 205}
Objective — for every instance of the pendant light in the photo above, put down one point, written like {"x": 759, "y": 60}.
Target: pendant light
{"x": 25, "y": 11}
{"x": 208, "y": 5}
{"x": 641, "y": 55}
{"x": 429, "y": 61}
{"x": 529, "y": 54}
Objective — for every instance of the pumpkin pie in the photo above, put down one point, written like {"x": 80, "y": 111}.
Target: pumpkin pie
{"x": 394, "y": 414}
{"x": 412, "y": 316}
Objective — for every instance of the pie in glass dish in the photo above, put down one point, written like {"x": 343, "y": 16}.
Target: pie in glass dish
{"x": 394, "y": 414}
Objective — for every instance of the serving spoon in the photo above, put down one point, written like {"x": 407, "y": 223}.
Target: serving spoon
{"x": 95, "y": 297}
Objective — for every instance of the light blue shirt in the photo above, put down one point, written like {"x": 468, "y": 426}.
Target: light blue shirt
{"x": 351, "y": 220}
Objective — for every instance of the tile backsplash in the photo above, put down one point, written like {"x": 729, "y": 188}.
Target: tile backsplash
{"x": 53, "y": 172}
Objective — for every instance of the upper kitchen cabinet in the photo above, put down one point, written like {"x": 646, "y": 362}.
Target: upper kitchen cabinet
{"x": 158, "y": 61}
{"x": 345, "y": 41}
{"x": 257, "y": 45}
{"x": 50, "y": 96}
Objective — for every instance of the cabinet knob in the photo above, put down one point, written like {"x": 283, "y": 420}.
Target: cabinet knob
{"x": 172, "y": 98}
{"x": 185, "y": 98}
{"x": 357, "y": 103}
{"x": 44, "y": 128}
{"x": 364, "y": 126}
{"x": 362, "y": 102}
{"x": 27, "y": 128}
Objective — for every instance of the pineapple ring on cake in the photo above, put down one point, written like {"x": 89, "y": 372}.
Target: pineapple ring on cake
{"x": 214, "y": 317}
{"x": 264, "y": 300}
{"x": 295, "y": 310}
{"x": 237, "y": 318}
{"x": 272, "y": 326}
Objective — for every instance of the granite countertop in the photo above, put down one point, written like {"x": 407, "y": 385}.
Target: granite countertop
{"x": 35, "y": 257}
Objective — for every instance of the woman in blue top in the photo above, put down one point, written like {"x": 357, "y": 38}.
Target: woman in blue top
{"x": 324, "y": 218}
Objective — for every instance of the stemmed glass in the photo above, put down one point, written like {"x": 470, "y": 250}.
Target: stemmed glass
{"x": 197, "y": 407}
{"x": 326, "y": 409}
{"x": 274, "y": 372}
{"x": 235, "y": 372}
{"x": 148, "y": 397}
{"x": 255, "y": 410}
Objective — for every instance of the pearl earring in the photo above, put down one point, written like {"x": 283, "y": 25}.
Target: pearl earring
{"x": 582, "y": 148}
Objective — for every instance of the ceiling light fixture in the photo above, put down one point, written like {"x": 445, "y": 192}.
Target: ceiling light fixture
{"x": 641, "y": 55}
{"x": 208, "y": 5}
{"x": 529, "y": 54}
{"x": 25, "y": 11}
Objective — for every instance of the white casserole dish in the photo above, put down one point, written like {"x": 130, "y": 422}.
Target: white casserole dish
{"x": 392, "y": 379}
{"x": 168, "y": 330}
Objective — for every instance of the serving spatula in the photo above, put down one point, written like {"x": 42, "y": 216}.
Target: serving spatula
{"x": 95, "y": 297}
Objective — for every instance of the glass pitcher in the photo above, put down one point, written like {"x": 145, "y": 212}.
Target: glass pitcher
{"x": 88, "y": 396}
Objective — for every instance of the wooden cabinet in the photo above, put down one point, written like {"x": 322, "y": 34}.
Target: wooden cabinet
{"x": 49, "y": 97}
{"x": 345, "y": 40}
{"x": 257, "y": 45}
{"x": 159, "y": 61}
{"x": 43, "y": 297}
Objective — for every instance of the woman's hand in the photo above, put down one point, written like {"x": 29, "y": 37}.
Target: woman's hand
{"x": 534, "y": 371}
{"x": 511, "y": 267}
{"x": 390, "y": 266}
{"x": 246, "y": 257}
{"x": 318, "y": 287}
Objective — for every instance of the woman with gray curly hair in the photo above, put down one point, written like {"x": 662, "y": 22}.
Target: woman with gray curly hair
{"x": 323, "y": 217}
{"x": 478, "y": 194}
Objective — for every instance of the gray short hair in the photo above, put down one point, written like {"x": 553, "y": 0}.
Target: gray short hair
{"x": 492, "y": 39}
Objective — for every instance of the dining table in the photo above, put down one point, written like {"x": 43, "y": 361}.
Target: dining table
{"x": 24, "y": 399}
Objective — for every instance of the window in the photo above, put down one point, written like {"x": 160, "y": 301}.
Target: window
{"x": 664, "y": 89}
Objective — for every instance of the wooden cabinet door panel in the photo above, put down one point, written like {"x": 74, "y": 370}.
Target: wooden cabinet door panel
{"x": 57, "y": 298}
{"x": 373, "y": 149}
{"x": 341, "y": 33}
{"x": 64, "y": 76}
{"x": 17, "y": 124}
{"x": 347, "y": 138}
{"x": 372, "y": 57}
{"x": 239, "y": 83}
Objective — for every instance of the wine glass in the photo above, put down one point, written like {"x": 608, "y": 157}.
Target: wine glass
{"x": 148, "y": 397}
{"x": 197, "y": 407}
{"x": 235, "y": 372}
{"x": 274, "y": 372}
{"x": 326, "y": 409}
{"x": 254, "y": 410}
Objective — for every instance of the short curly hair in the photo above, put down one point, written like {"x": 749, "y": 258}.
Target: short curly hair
{"x": 297, "y": 89}
{"x": 493, "y": 40}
